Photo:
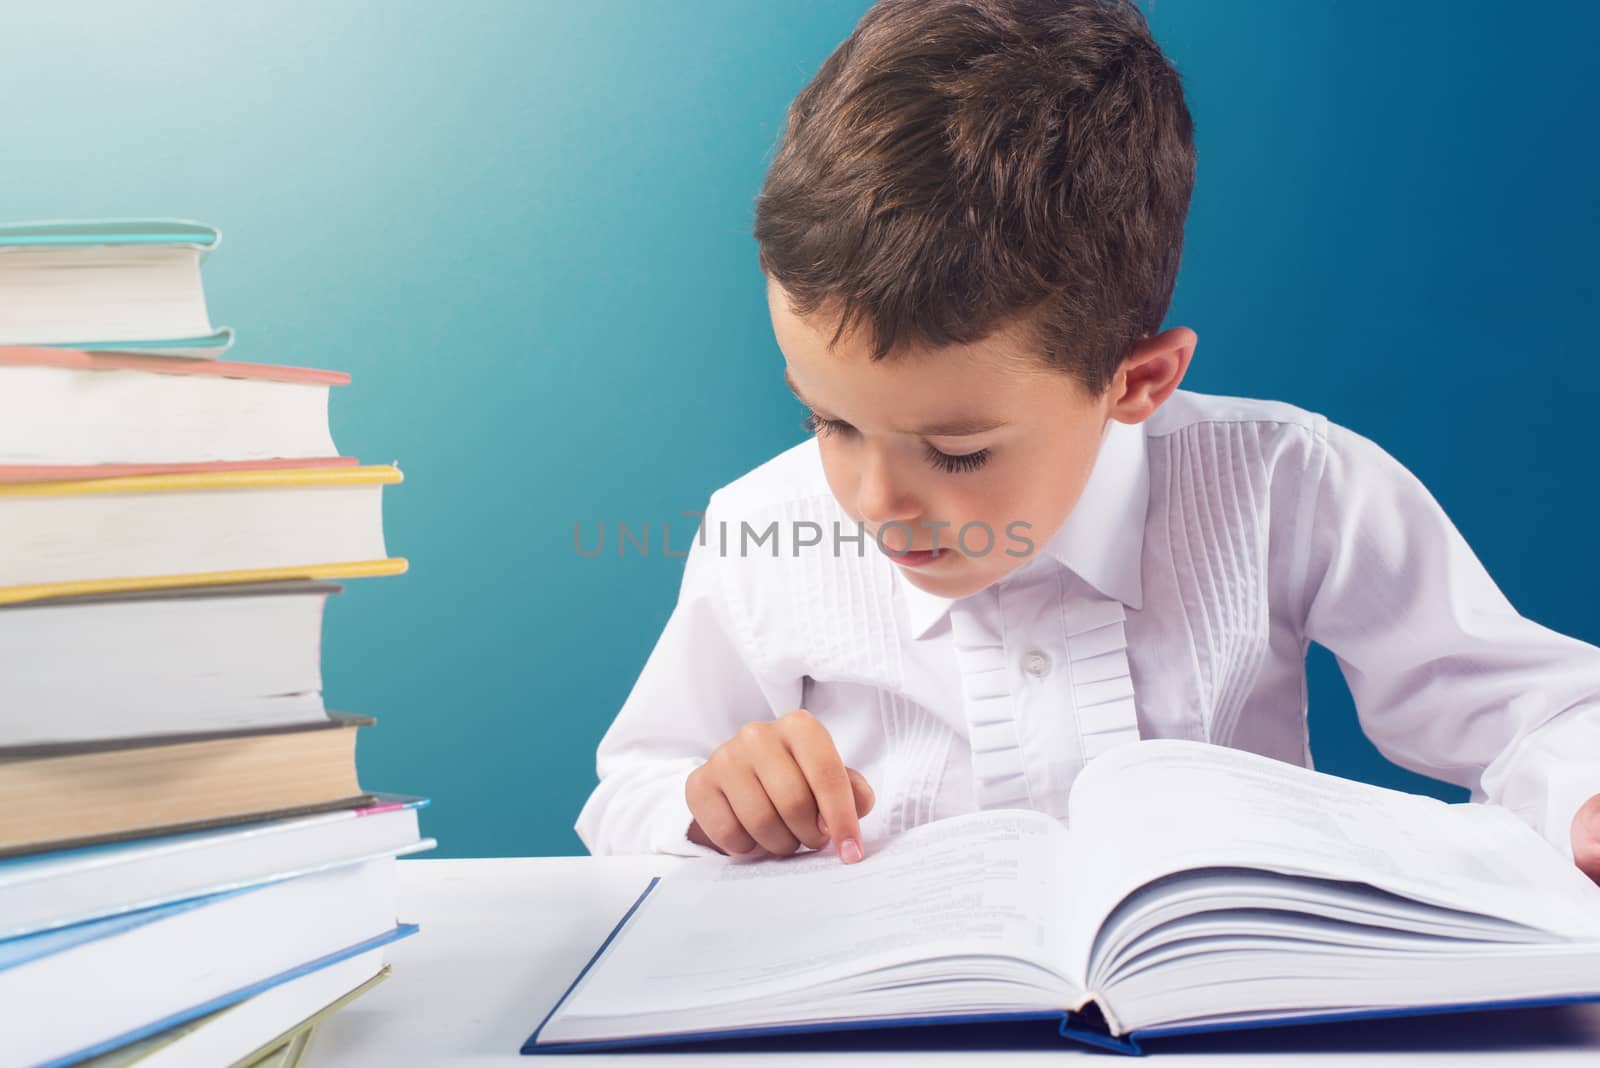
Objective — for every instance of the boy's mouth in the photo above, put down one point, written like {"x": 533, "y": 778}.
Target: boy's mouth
{"x": 918, "y": 557}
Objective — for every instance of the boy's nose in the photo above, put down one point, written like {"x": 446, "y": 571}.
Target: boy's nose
{"x": 879, "y": 499}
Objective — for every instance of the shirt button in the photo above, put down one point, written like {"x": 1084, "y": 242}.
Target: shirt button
{"x": 1036, "y": 664}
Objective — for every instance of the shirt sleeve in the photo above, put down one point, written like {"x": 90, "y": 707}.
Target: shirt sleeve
{"x": 695, "y": 691}
{"x": 1448, "y": 679}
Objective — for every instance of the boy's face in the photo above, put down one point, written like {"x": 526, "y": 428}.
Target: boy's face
{"x": 980, "y": 434}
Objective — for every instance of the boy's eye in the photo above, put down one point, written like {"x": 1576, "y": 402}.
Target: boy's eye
{"x": 967, "y": 461}
{"x": 944, "y": 461}
{"x": 815, "y": 424}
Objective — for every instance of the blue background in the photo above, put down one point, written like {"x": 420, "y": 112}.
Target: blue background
{"x": 525, "y": 229}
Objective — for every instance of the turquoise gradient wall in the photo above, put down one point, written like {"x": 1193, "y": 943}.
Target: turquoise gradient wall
{"x": 525, "y": 228}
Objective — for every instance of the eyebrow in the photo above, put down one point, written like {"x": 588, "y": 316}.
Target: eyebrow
{"x": 958, "y": 428}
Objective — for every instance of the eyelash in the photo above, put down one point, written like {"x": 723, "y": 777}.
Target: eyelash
{"x": 971, "y": 461}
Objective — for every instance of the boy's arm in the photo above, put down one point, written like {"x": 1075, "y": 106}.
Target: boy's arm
{"x": 1448, "y": 679}
{"x": 695, "y": 691}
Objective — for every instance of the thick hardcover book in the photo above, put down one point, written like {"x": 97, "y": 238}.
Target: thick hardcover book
{"x": 57, "y": 796}
{"x": 1191, "y": 888}
{"x": 84, "y": 990}
{"x": 74, "y": 414}
{"x": 148, "y": 532}
{"x": 44, "y": 891}
{"x": 176, "y": 661}
{"x": 219, "y": 1038}
{"x": 120, "y": 284}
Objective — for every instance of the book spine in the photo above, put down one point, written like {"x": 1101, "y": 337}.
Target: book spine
{"x": 1088, "y": 1027}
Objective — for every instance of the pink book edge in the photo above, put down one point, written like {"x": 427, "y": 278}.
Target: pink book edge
{"x": 76, "y": 472}
{"x": 79, "y": 360}
{"x": 381, "y": 807}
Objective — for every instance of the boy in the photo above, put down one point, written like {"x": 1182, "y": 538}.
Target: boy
{"x": 1013, "y": 541}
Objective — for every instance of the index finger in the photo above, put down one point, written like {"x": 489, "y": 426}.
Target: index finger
{"x": 813, "y": 750}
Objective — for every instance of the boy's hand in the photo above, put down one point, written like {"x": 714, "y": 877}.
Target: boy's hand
{"x": 1586, "y": 838}
{"x": 775, "y": 785}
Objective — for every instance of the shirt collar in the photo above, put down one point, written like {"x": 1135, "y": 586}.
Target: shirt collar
{"x": 1101, "y": 541}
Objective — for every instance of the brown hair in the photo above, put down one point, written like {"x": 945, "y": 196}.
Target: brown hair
{"x": 957, "y": 165}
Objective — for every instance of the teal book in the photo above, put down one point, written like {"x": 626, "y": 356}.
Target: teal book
{"x": 118, "y": 285}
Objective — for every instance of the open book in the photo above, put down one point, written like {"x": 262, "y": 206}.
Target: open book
{"x": 1192, "y": 888}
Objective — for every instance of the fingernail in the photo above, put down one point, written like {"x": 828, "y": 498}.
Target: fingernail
{"x": 850, "y": 851}
{"x": 822, "y": 825}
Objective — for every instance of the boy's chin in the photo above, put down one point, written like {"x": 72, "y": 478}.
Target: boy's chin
{"x": 959, "y": 578}
{"x": 962, "y": 575}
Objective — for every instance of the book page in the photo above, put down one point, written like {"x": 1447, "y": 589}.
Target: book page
{"x": 721, "y": 931}
{"x": 1162, "y": 806}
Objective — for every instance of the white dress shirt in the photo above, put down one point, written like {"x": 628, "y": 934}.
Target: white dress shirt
{"x": 1211, "y": 545}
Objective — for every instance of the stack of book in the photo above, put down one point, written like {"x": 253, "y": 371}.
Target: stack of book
{"x": 190, "y": 869}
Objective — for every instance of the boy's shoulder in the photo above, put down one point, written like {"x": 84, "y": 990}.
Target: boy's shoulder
{"x": 1187, "y": 409}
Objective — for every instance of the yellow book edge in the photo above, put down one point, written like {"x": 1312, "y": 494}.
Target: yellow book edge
{"x": 279, "y": 478}
{"x": 288, "y": 1050}
{"x": 394, "y": 565}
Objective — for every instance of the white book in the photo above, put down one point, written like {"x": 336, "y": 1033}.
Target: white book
{"x": 1192, "y": 887}
{"x": 77, "y": 990}
{"x": 61, "y": 536}
{"x": 106, "y": 282}
{"x": 62, "y": 407}
{"x": 49, "y": 890}
{"x": 185, "y": 661}
{"x": 247, "y": 1032}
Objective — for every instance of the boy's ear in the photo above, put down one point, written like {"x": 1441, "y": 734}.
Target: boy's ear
{"x": 1150, "y": 373}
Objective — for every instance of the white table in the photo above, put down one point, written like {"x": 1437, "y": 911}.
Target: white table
{"x": 502, "y": 939}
